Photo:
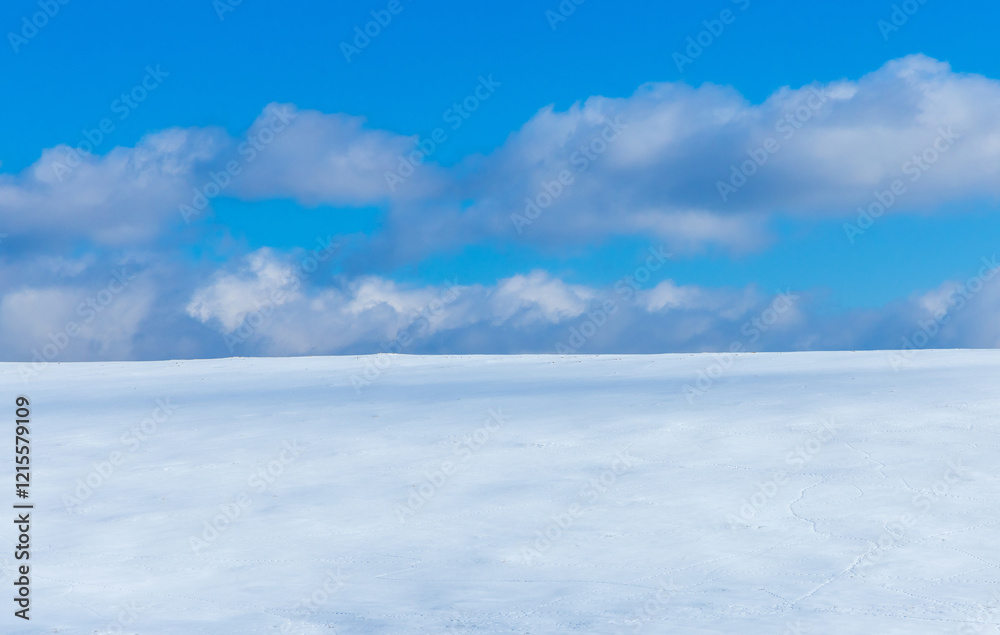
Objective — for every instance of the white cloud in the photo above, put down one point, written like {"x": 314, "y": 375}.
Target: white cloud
{"x": 121, "y": 198}
{"x": 134, "y": 195}
{"x": 649, "y": 164}
{"x": 668, "y": 295}
{"x": 537, "y": 297}
{"x": 262, "y": 280}
{"x": 64, "y": 323}
{"x": 534, "y": 312}
{"x": 834, "y": 145}
{"x": 271, "y": 308}
{"x": 319, "y": 158}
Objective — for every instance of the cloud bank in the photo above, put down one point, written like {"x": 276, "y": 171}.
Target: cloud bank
{"x": 686, "y": 168}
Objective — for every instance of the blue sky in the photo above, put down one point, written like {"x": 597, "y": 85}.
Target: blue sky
{"x": 206, "y": 77}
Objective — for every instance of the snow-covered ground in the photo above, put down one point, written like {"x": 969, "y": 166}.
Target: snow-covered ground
{"x": 786, "y": 493}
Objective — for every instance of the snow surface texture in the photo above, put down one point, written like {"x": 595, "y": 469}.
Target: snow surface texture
{"x": 800, "y": 493}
